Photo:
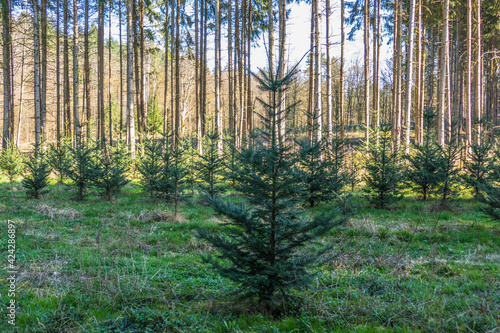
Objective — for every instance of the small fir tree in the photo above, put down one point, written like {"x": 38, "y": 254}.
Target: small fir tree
{"x": 261, "y": 248}
{"x": 83, "y": 168}
{"x": 352, "y": 173}
{"x": 37, "y": 174}
{"x": 478, "y": 165}
{"x": 424, "y": 161}
{"x": 191, "y": 165}
{"x": 210, "y": 165}
{"x": 150, "y": 164}
{"x": 448, "y": 173}
{"x": 112, "y": 166}
{"x": 383, "y": 170}
{"x": 490, "y": 191}
{"x": 11, "y": 161}
{"x": 59, "y": 158}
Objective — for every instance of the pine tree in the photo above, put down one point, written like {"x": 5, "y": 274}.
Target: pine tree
{"x": 260, "y": 248}
{"x": 59, "y": 158}
{"x": 111, "y": 170}
{"x": 11, "y": 161}
{"x": 383, "y": 171}
{"x": 82, "y": 170}
{"x": 448, "y": 174}
{"x": 478, "y": 166}
{"x": 210, "y": 165}
{"x": 424, "y": 161}
{"x": 150, "y": 163}
{"x": 37, "y": 174}
{"x": 353, "y": 169}
{"x": 490, "y": 191}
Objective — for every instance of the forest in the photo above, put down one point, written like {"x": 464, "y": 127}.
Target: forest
{"x": 153, "y": 178}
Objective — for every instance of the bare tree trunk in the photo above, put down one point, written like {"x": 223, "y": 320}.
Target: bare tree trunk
{"x": 318, "y": 112}
{"x": 329, "y": 107}
{"x": 342, "y": 60}
{"x": 58, "y": 75}
{"x": 21, "y": 88}
{"x": 367, "y": 70}
{"x": 142, "y": 103}
{"x": 100, "y": 75}
{"x": 165, "y": 92}
{"x": 282, "y": 64}
{"x": 376, "y": 63}
{"x": 121, "y": 68}
{"x": 67, "y": 106}
{"x": 36, "y": 72}
{"x": 76, "y": 116}
{"x": 230, "y": 68}
{"x": 249, "y": 111}
{"x": 109, "y": 76}
{"x": 177, "y": 74}
{"x": 130, "y": 77}
{"x": 479, "y": 76}
{"x": 43, "y": 83}
{"x": 218, "y": 112}
{"x": 7, "y": 88}
{"x": 443, "y": 73}
{"x": 409, "y": 76}
{"x": 86, "y": 65}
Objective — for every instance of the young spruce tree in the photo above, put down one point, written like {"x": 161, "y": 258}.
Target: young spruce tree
{"x": 424, "y": 161}
{"x": 37, "y": 174}
{"x": 150, "y": 164}
{"x": 59, "y": 158}
{"x": 210, "y": 165}
{"x": 11, "y": 161}
{"x": 448, "y": 173}
{"x": 383, "y": 170}
{"x": 82, "y": 170}
{"x": 111, "y": 169}
{"x": 261, "y": 248}
{"x": 490, "y": 191}
{"x": 478, "y": 165}
{"x": 321, "y": 170}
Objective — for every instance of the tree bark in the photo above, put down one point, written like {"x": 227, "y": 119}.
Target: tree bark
{"x": 409, "y": 76}
{"x": 130, "y": 77}
{"x": 367, "y": 70}
{"x": 76, "y": 116}
{"x": 7, "y": 89}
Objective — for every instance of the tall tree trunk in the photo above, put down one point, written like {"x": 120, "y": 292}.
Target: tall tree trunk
{"x": 109, "y": 76}
{"x": 367, "y": 70}
{"x": 318, "y": 113}
{"x": 36, "y": 72}
{"x": 479, "y": 76}
{"x": 329, "y": 107}
{"x": 409, "y": 76}
{"x": 76, "y": 115}
{"x": 100, "y": 75}
{"x": 43, "y": 83}
{"x": 86, "y": 65}
{"x": 58, "y": 75}
{"x": 7, "y": 89}
{"x": 443, "y": 72}
{"x": 21, "y": 88}
{"x": 249, "y": 111}
{"x": 130, "y": 77}
{"x": 142, "y": 96}
{"x": 376, "y": 63}
{"x": 177, "y": 74}
{"x": 166, "y": 61}
{"x": 121, "y": 68}
{"x": 341, "y": 88}
{"x": 218, "y": 113}
{"x": 230, "y": 68}
{"x": 282, "y": 65}
{"x": 67, "y": 106}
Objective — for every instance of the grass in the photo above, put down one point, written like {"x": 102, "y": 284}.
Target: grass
{"x": 127, "y": 266}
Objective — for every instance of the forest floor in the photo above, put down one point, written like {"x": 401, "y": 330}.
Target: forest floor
{"x": 127, "y": 266}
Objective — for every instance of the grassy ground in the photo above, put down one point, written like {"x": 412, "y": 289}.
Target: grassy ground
{"x": 126, "y": 266}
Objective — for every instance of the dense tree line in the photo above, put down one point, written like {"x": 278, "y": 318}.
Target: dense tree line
{"x": 161, "y": 73}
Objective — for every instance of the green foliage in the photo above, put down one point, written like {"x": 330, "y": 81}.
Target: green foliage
{"x": 37, "y": 174}
{"x": 191, "y": 164}
{"x": 353, "y": 168}
{"x": 82, "y": 170}
{"x": 261, "y": 248}
{"x": 478, "y": 165}
{"x": 320, "y": 176}
{"x": 150, "y": 164}
{"x": 111, "y": 169}
{"x": 383, "y": 170}
{"x": 11, "y": 161}
{"x": 155, "y": 119}
{"x": 424, "y": 161}
{"x": 210, "y": 165}
{"x": 448, "y": 174}
{"x": 490, "y": 190}
{"x": 59, "y": 157}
